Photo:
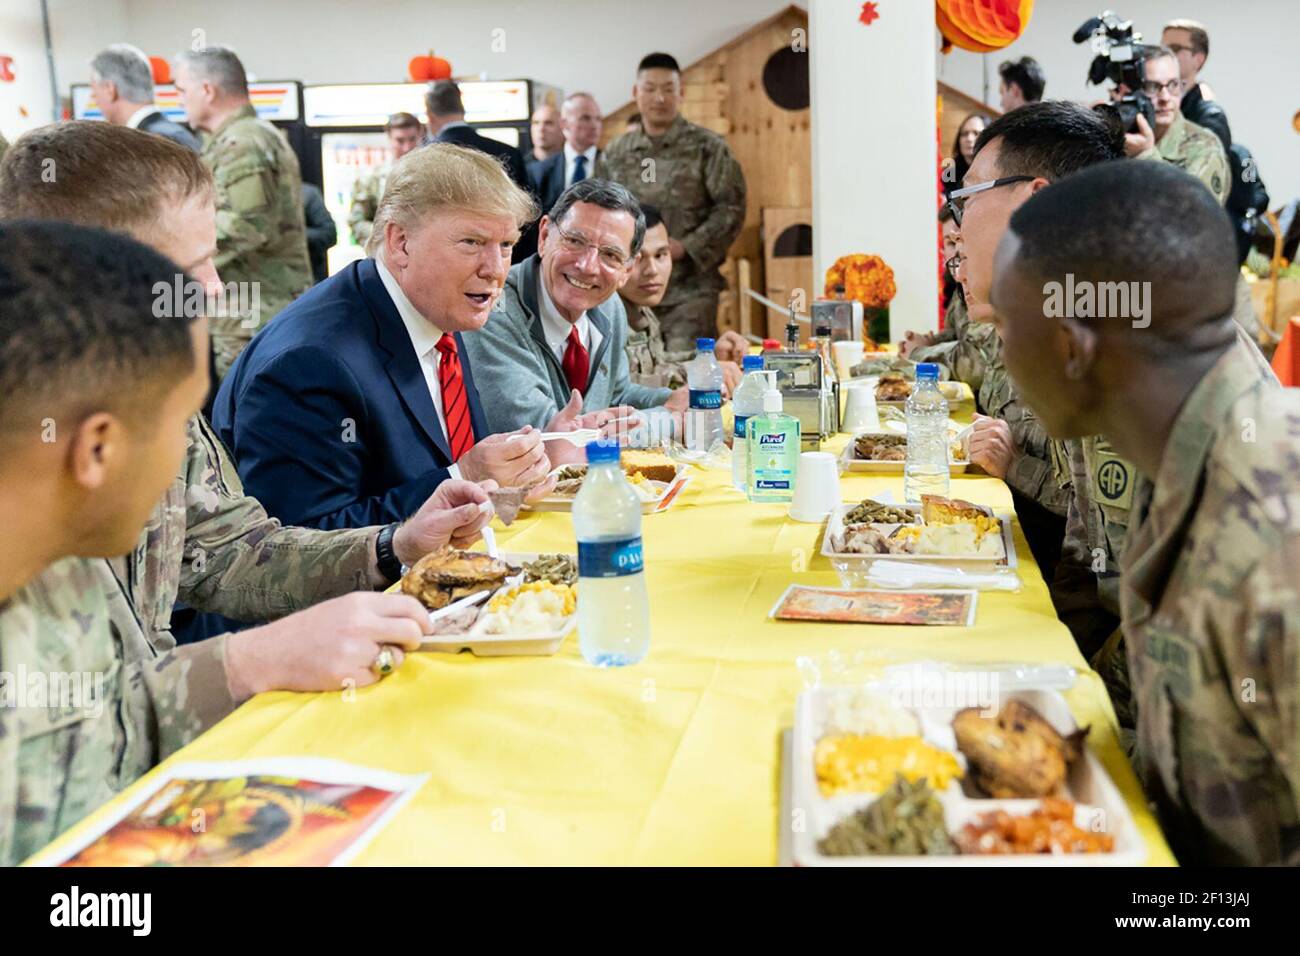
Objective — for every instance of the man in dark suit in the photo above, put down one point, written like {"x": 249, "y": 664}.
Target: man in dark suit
{"x": 121, "y": 80}
{"x": 359, "y": 399}
{"x": 446, "y": 121}
{"x": 580, "y": 122}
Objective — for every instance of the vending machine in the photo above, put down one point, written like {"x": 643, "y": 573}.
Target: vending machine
{"x": 345, "y": 133}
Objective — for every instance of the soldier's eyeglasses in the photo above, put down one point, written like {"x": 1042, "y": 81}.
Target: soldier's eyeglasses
{"x": 957, "y": 198}
{"x": 611, "y": 257}
{"x": 1152, "y": 88}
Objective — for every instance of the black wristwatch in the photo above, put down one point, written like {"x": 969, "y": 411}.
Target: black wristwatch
{"x": 386, "y": 557}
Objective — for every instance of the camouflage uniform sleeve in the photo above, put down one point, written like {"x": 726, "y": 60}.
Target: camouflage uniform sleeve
{"x": 1209, "y": 164}
{"x": 188, "y": 691}
{"x": 724, "y": 181}
{"x": 361, "y": 213}
{"x": 245, "y": 183}
{"x": 242, "y": 563}
{"x": 1037, "y": 468}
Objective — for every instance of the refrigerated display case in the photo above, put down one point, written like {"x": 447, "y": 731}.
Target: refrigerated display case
{"x": 345, "y": 133}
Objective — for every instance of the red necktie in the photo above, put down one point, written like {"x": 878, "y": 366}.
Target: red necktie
{"x": 455, "y": 405}
{"x": 576, "y": 364}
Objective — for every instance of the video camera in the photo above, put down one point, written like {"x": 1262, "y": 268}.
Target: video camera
{"x": 1120, "y": 58}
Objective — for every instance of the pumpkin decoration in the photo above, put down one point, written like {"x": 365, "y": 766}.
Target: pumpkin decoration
{"x": 425, "y": 69}
{"x": 982, "y": 26}
{"x": 162, "y": 70}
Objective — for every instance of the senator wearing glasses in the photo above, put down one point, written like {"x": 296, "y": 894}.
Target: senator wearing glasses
{"x": 559, "y": 330}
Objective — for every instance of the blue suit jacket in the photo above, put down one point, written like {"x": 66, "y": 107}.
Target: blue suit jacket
{"x": 328, "y": 414}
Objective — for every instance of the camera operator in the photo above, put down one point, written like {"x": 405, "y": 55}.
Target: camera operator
{"x": 1191, "y": 45}
{"x": 1175, "y": 138}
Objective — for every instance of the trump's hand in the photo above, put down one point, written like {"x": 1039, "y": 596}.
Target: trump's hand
{"x": 512, "y": 459}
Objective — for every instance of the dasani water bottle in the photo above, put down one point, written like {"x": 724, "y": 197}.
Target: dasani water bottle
{"x": 704, "y": 416}
{"x": 613, "y": 608}
{"x": 925, "y": 471}
{"x": 746, "y": 403}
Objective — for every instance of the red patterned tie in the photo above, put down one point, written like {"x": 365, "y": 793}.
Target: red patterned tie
{"x": 455, "y": 405}
{"x": 576, "y": 364}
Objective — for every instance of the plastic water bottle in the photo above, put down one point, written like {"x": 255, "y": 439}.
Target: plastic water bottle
{"x": 925, "y": 471}
{"x": 704, "y": 417}
{"x": 745, "y": 403}
{"x": 613, "y": 608}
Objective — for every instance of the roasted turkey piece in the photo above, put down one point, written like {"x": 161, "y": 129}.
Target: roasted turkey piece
{"x": 1017, "y": 753}
{"x": 449, "y": 575}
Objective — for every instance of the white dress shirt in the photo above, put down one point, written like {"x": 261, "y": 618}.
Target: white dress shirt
{"x": 138, "y": 116}
{"x": 556, "y": 328}
{"x": 424, "y": 339}
{"x": 570, "y": 157}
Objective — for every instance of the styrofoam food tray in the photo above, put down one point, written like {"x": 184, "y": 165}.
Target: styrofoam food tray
{"x": 952, "y": 390}
{"x": 669, "y": 492}
{"x": 856, "y": 563}
{"x": 501, "y": 645}
{"x": 853, "y": 463}
{"x": 1097, "y": 800}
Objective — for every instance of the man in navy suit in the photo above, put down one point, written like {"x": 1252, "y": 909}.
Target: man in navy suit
{"x": 358, "y": 400}
{"x": 446, "y": 121}
{"x": 580, "y": 122}
{"x": 121, "y": 80}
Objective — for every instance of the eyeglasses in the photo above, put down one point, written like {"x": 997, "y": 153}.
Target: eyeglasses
{"x": 957, "y": 198}
{"x": 611, "y": 257}
{"x": 1179, "y": 48}
{"x": 1152, "y": 88}
{"x": 952, "y": 264}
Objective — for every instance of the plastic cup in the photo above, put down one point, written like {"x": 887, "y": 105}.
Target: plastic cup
{"x": 817, "y": 488}
{"x": 847, "y": 355}
{"x": 860, "y": 412}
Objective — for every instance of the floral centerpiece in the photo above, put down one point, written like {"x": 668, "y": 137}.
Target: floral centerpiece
{"x": 869, "y": 280}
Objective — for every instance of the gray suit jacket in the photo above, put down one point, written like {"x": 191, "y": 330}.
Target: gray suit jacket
{"x": 520, "y": 380}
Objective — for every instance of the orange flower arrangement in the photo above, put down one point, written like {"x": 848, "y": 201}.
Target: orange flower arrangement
{"x": 866, "y": 279}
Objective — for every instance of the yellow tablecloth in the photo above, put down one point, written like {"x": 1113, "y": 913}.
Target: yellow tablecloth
{"x": 673, "y": 761}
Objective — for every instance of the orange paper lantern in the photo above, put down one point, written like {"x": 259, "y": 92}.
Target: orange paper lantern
{"x": 982, "y": 26}
{"x": 162, "y": 70}
{"x": 425, "y": 69}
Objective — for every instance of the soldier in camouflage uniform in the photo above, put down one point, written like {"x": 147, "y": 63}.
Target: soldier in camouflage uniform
{"x": 261, "y": 236}
{"x": 970, "y": 350}
{"x": 691, "y": 175}
{"x": 1177, "y": 139}
{"x": 404, "y": 133}
{"x": 649, "y": 361}
{"x": 1209, "y": 596}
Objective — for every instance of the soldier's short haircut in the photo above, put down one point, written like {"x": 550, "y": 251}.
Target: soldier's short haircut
{"x": 606, "y": 195}
{"x": 659, "y": 61}
{"x": 443, "y": 177}
{"x": 98, "y": 174}
{"x": 79, "y": 331}
{"x": 1133, "y": 222}
{"x": 1052, "y": 139}
{"x": 1197, "y": 33}
{"x": 219, "y": 66}
{"x": 402, "y": 120}
{"x": 1026, "y": 74}
{"x": 127, "y": 68}
{"x": 442, "y": 98}
{"x": 653, "y": 217}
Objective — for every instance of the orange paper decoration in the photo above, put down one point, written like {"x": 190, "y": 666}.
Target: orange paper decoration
{"x": 162, "y": 70}
{"x": 866, "y": 279}
{"x": 423, "y": 69}
{"x": 982, "y": 26}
